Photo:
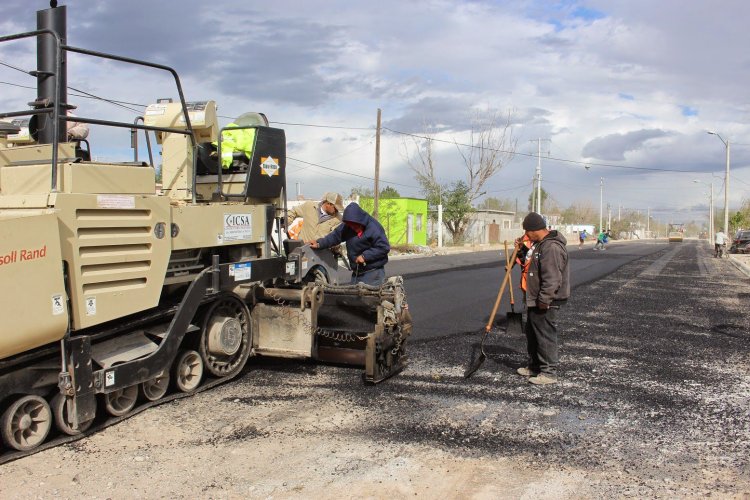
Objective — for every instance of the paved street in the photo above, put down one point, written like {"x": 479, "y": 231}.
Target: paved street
{"x": 454, "y": 293}
{"x": 652, "y": 402}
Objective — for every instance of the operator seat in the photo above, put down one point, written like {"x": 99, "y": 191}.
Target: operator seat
{"x": 207, "y": 159}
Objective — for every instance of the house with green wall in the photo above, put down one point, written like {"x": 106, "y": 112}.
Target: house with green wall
{"x": 404, "y": 219}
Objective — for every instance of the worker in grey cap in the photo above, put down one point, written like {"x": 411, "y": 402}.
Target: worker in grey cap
{"x": 545, "y": 282}
{"x": 319, "y": 218}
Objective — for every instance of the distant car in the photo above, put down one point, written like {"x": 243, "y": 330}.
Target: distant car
{"x": 675, "y": 236}
{"x": 740, "y": 241}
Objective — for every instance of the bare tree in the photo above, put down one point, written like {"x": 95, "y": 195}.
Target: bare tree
{"x": 490, "y": 147}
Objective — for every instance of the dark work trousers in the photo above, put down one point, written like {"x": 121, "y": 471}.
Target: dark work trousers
{"x": 374, "y": 277}
{"x": 541, "y": 340}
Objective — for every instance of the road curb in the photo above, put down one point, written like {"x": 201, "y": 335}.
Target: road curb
{"x": 743, "y": 267}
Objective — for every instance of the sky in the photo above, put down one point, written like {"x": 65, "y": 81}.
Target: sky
{"x": 628, "y": 89}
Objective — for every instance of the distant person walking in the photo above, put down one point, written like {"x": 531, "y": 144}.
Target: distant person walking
{"x": 719, "y": 241}
{"x": 602, "y": 240}
{"x": 582, "y": 238}
{"x": 545, "y": 281}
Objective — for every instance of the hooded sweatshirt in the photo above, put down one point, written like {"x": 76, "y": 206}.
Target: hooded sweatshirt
{"x": 372, "y": 244}
{"x": 548, "y": 279}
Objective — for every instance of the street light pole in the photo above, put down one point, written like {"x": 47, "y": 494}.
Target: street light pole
{"x": 726, "y": 183}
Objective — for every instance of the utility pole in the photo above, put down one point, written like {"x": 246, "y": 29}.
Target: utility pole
{"x": 711, "y": 228}
{"x": 726, "y": 183}
{"x": 648, "y": 220}
{"x": 377, "y": 167}
{"x": 601, "y": 202}
{"x": 726, "y": 195}
{"x": 609, "y": 216}
{"x": 440, "y": 217}
{"x": 538, "y": 177}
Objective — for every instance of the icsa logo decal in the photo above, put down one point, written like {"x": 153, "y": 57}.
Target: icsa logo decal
{"x": 237, "y": 227}
{"x": 236, "y": 220}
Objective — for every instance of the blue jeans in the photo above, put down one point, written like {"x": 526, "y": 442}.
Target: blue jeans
{"x": 374, "y": 277}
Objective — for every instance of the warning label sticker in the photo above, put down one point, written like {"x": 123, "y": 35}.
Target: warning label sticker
{"x": 91, "y": 306}
{"x": 156, "y": 109}
{"x": 241, "y": 271}
{"x": 269, "y": 166}
{"x": 237, "y": 227}
{"x": 58, "y": 306}
{"x": 115, "y": 201}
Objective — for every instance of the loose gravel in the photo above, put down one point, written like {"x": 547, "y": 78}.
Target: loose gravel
{"x": 653, "y": 401}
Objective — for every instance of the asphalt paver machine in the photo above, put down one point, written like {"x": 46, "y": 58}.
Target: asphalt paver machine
{"x": 117, "y": 292}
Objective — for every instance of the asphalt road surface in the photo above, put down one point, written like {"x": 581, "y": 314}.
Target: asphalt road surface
{"x": 652, "y": 401}
{"x": 455, "y": 293}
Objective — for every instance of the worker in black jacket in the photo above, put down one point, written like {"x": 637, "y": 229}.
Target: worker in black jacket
{"x": 545, "y": 281}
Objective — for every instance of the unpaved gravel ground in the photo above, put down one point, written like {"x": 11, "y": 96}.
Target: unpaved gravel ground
{"x": 653, "y": 402}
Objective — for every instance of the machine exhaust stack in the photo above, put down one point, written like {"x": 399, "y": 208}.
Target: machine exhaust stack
{"x": 53, "y": 19}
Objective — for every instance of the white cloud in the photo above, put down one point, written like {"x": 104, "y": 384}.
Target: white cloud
{"x": 594, "y": 76}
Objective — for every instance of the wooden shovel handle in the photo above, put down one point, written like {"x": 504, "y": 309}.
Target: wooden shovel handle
{"x": 509, "y": 266}
{"x": 500, "y": 293}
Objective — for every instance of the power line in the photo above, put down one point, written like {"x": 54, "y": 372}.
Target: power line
{"x": 530, "y": 155}
{"x": 322, "y": 126}
{"x": 349, "y": 173}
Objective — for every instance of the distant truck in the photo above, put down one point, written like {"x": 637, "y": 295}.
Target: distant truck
{"x": 676, "y": 233}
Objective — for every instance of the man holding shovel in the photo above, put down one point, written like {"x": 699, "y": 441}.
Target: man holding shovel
{"x": 545, "y": 280}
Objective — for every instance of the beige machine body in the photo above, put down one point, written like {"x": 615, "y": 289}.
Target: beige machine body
{"x": 113, "y": 231}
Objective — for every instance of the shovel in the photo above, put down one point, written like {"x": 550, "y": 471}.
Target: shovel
{"x": 482, "y": 355}
{"x": 515, "y": 319}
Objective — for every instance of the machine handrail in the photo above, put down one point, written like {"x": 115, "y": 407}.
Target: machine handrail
{"x": 134, "y": 142}
{"x": 55, "y": 108}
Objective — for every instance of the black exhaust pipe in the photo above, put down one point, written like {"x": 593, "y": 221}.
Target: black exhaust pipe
{"x": 53, "y": 19}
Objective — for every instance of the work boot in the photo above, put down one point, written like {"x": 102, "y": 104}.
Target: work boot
{"x": 543, "y": 379}
{"x": 527, "y": 371}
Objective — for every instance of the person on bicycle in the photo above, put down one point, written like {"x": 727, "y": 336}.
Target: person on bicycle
{"x": 719, "y": 241}
{"x": 602, "y": 240}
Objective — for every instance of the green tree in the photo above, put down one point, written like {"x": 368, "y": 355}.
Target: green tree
{"x": 504, "y": 204}
{"x": 362, "y": 192}
{"x": 389, "y": 192}
{"x": 737, "y": 221}
{"x": 532, "y": 200}
{"x": 579, "y": 213}
{"x": 457, "y": 210}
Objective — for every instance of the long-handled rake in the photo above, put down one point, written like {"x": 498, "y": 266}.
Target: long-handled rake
{"x": 482, "y": 355}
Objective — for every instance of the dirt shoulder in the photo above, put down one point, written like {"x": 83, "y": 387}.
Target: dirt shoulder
{"x": 652, "y": 402}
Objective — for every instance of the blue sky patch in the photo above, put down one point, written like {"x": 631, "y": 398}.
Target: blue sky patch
{"x": 587, "y": 14}
{"x": 688, "y": 111}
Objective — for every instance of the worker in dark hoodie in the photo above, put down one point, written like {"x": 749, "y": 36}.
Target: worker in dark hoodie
{"x": 545, "y": 281}
{"x": 367, "y": 245}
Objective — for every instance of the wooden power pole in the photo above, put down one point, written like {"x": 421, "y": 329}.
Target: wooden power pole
{"x": 377, "y": 168}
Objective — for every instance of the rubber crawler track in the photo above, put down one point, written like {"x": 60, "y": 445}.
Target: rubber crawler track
{"x": 64, "y": 439}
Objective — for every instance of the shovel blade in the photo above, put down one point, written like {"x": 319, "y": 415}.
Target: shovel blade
{"x": 515, "y": 324}
{"x": 471, "y": 370}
